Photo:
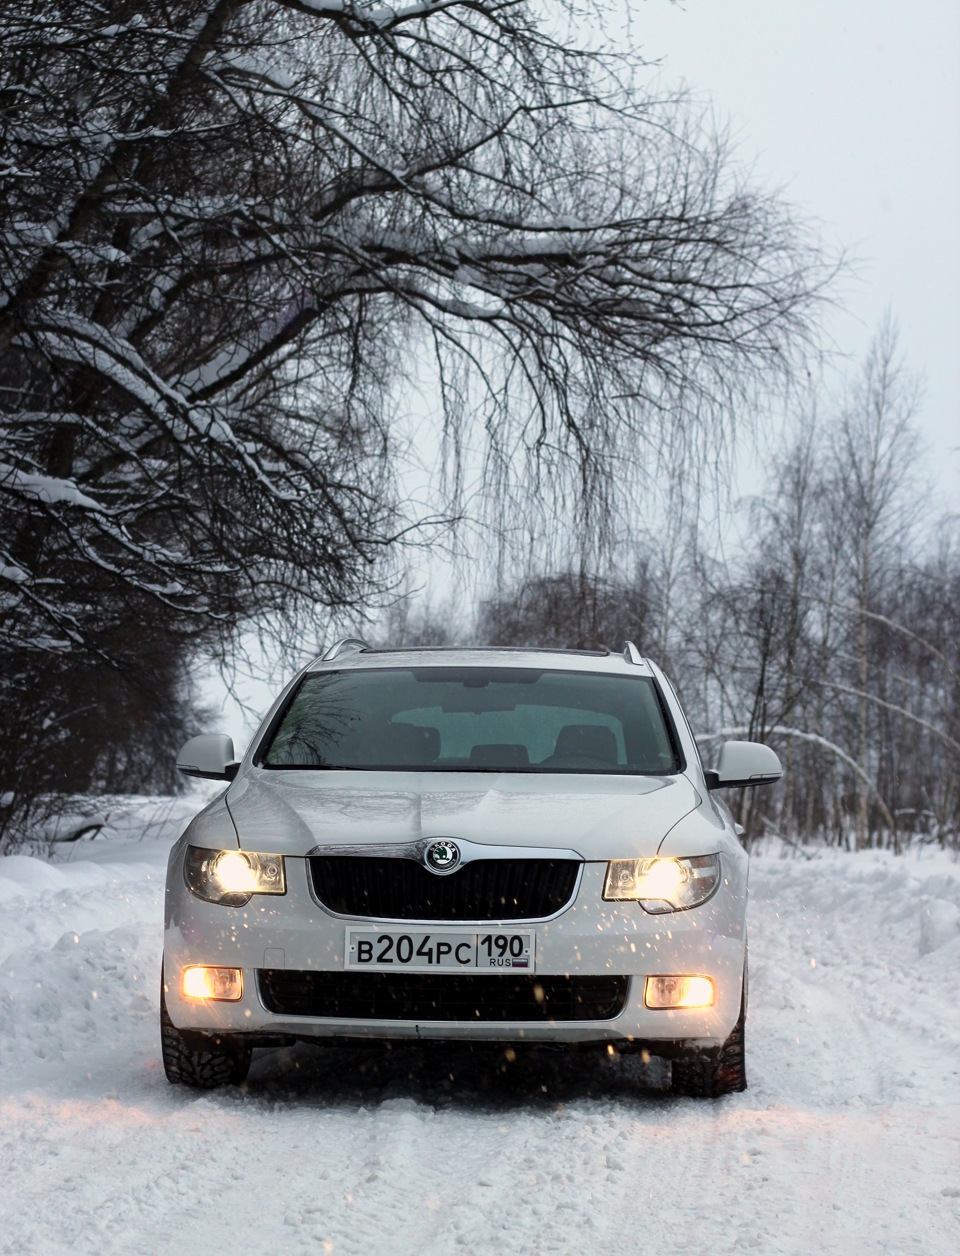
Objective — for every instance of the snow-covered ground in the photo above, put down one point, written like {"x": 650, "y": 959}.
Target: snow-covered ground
{"x": 847, "y": 1142}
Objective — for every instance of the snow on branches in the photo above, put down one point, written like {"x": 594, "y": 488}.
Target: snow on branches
{"x": 226, "y": 222}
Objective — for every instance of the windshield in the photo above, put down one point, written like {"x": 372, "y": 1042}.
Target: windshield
{"x": 474, "y": 719}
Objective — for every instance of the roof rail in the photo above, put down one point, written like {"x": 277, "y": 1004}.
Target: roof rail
{"x": 354, "y": 644}
{"x": 632, "y": 654}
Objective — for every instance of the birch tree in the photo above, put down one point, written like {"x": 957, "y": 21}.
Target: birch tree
{"x": 875, "y": 455}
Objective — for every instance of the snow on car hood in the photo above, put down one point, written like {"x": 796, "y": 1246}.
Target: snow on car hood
{"x": 598, "y": 817}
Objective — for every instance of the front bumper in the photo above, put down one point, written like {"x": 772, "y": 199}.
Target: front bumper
{"x": 293, "y": 934}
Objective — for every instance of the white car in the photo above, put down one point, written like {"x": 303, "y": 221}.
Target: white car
{"x": 502, "y": 845}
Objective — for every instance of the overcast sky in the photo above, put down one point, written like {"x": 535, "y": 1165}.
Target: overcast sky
{"x": 853, "y": 108}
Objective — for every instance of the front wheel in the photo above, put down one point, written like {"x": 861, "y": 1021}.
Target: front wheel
{"x": 715, "y": 1071}
{"x": 198, "y": 1061}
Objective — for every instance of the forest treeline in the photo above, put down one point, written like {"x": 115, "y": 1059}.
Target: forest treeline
{"x": 828, "y": 629}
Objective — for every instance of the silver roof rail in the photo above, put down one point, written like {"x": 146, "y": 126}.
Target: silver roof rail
{"x": 632, "y": 654}
{"x": 354, "y": 644}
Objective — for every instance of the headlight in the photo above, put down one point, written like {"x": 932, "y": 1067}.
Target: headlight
{"x": 661, "y": 885}
{"x": 232, "y": 877}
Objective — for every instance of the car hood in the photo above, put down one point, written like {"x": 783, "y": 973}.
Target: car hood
{"x": 292, "y": 813}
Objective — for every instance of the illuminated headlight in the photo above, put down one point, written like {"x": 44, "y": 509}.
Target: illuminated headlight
{"x": 232, "y": 877}
{"x": 662, "y": 885}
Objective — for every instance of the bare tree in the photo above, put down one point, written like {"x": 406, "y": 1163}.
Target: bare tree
{"x": 226, "y": 220}
{"x": 828, "y": 633}
{"x": 572, "y": 610}
{"x": 768, "y": 645}
{"x": 875, "y": 454}
{"x": 219, "y": 228}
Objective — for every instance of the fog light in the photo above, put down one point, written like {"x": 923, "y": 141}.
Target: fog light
{"x": 662, "y": 992}
{"x": 212, "y": 983}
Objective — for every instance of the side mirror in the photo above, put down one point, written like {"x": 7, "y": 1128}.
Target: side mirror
{"x": 210, "y": 756}
{"x": 744, "y": 763}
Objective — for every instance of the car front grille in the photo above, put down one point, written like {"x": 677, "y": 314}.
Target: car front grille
{"x": 486, "y": 889}
{"x": 441, "y": 997}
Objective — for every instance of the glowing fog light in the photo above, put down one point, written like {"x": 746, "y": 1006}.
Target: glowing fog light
{"x": 660, "y": 992}
{"x": 200, "y": 982}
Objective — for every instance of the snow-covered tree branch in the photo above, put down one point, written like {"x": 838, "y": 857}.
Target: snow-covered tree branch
{"x": 225, "y": 223}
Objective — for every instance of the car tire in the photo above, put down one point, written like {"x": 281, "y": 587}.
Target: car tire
{"x": 715, "y": 1071}
{"x": 219, "y": 1061}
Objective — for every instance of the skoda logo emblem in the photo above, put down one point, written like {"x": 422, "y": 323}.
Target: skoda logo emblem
{"x": 443, "y": 856}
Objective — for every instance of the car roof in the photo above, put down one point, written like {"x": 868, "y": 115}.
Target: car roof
{"x": 352, "y": 653}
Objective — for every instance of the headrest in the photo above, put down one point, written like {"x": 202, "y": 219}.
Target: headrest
{"x": 591, "y": 741}
{"x": 502, "y": 754}
{"x": 406, "y": 745}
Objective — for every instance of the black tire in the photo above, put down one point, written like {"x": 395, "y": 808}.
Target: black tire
{"x": 199, "y": 1061}
{"x": 715, "y": 1071}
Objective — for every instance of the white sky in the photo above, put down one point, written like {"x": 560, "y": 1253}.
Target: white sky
{"x": 852, "y": 107}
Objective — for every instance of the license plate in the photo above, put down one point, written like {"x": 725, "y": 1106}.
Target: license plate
{"x": 387, "y": 950}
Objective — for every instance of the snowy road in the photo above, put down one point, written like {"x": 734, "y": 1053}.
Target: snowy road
{"x": 847, "y": 1142}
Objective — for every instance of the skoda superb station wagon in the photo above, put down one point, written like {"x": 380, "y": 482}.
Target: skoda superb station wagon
{"x": 463, "y": 845}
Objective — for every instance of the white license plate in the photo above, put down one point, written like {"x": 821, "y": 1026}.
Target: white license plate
{"x": 387, "y": 950}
